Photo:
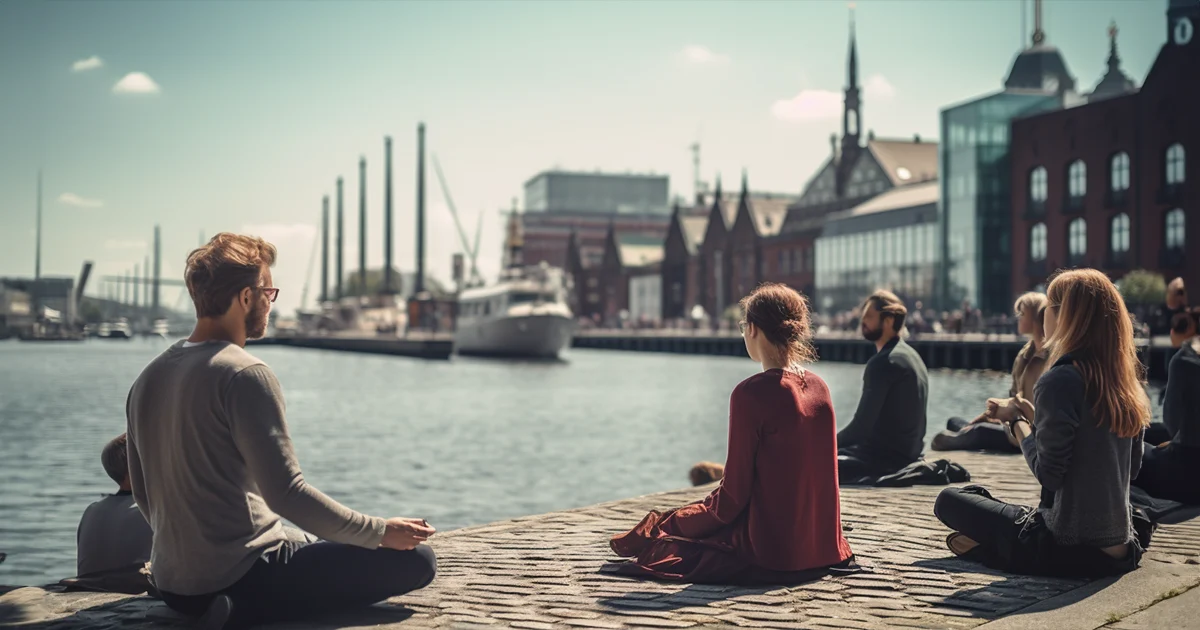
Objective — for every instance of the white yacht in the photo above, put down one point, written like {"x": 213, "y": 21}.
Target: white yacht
{"x": 525, "y": 314}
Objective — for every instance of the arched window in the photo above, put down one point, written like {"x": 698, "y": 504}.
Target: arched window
{"x": 1037, "y": 184}
{"x": 1119, "y": 173}
{"x": 1077, "y": 179}
{"x": 1037, "y": 242}
{"x": 1176, "y": 160}
{"x": 1119, "y": 236}
{"x": 1077, "y": 238}
{"x": 1174, "y": 236}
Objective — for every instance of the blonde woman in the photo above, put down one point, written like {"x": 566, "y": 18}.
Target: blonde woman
{"x": 1087, "y": 446}
{"x": 985, "y": 431}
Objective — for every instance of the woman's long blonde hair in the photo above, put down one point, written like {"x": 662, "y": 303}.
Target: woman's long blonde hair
{"x": 1095, "y": 329}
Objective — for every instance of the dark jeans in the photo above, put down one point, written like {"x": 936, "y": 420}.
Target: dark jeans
{"x": 300, "y": 580}
{"x": 861, "y": 465}
{"x": 984, "y": 436}
{"x": 1014, "y": 538}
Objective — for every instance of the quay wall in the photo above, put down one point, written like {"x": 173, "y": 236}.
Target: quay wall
{"x": 958, "y": 352}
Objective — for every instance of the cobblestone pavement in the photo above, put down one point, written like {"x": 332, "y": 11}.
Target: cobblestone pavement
{"x": 554, "y": 571}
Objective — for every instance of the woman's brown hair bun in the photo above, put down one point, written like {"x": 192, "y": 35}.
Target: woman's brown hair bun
{"x": 782, "y": 314}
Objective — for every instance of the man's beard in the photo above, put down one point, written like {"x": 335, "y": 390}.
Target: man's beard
{"x": 872, "y": 335}
{"x": 256, "y": 322}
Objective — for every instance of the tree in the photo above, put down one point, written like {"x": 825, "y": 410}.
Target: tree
{"x": 1142, "y": 287}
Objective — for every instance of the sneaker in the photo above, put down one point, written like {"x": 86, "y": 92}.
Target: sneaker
{"x": 217, "y": 614}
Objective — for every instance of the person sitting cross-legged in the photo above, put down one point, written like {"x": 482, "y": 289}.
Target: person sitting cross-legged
{"x": 1084, "y": 450}
{"x": 212, "y": 468}
{"x": 887, "y": 432}
{"x": 775, "y": 518}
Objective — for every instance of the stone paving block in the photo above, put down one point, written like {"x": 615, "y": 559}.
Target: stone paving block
{"x": 531, "y": 625}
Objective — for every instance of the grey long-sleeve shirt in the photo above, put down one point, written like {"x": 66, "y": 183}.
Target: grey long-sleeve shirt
{"x": 212, "y": 469}
{"x": 890, "y": 420}
{"x": 1083, "y": 464}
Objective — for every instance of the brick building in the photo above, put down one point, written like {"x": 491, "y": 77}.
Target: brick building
{"x": 681, "y": 261}
{"x": 1109, "y": 184}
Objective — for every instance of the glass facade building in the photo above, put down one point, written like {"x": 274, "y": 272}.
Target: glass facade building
{"x": 976, "y": 200}
{"x": 881, "y": 244}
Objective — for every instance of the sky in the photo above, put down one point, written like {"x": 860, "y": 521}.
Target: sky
{"x": 203, "y": 117}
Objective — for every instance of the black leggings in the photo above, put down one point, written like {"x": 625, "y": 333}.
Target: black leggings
{"x": 982, "y": 436}
{"x": 301, "y": 580}
{"x": 1013, "y": 538}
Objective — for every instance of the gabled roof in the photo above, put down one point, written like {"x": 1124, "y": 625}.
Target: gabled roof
{"x": 922, "y": 194}
{"x": 906, "y": 161}
{"x": 636, "y": 250}
{"x": 693, "y": 228}
{"x": 768, "y": 213}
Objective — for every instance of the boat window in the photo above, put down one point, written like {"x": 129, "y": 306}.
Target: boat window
{"x": 523, "y": 298}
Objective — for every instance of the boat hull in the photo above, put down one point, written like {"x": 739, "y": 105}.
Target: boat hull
{"x": 533, "y": 336}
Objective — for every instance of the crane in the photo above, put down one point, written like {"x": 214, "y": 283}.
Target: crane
{"x": 474, "y": 278}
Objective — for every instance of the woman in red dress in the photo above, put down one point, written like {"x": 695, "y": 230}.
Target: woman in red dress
{"x": 775, "y": 518}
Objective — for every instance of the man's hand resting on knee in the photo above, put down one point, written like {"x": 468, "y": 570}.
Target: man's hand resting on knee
{"x": 403, "y": 534}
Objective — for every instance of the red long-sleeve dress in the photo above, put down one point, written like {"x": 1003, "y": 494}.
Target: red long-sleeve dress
{"x": 776, "y": 512}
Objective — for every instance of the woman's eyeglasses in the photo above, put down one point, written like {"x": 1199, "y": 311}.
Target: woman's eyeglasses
{"x": 270, "y": 292}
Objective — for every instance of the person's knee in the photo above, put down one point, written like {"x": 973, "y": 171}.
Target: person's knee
{"x": 425, "y": 565}
{"x": 942, "y": 506}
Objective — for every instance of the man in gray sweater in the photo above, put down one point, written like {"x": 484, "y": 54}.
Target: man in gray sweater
{"x": 212, "y": 469}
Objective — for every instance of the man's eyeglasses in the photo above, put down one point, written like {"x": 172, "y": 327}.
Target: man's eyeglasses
{"x": 270, "y": 292}
{"x": 742, "y": 326}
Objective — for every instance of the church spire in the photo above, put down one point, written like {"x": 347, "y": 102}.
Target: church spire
{"x": 852, "y": 118}
{"x": 1115, "y": 82}
{"x": 1114, "y": 60}
{"x": 1039, "y": 35}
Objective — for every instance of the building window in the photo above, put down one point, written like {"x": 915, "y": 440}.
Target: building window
{"x": 1119, "y": 173}
{"x": 1037, "y": 185}
{"x": 1077, "y": 239}
{"x": 783, "y": 261}
{"x": 1174, "y": 237}
{"x": 1077, "y": 179}
{"x": 1120, "y": 234}
{"x": 1175, "y": 163}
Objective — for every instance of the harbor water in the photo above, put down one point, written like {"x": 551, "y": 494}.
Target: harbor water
{"x": 458, "y": 443}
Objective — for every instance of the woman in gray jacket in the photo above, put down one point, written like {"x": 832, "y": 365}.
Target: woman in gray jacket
{"x": 1092, "y": 410}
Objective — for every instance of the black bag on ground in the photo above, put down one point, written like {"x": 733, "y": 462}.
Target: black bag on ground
{"x": 942, "y": 472}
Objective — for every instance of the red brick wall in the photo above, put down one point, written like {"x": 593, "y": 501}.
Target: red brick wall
{"x": 1143, "y": 125}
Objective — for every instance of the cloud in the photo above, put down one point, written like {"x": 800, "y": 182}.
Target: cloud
{"x": 71, "y": 199}
{"x": 91, "y": 63}
{"x": 698, "y": 55}
{"x": 808, "y": 105}
{"x": 824, "y": 104}
{"x": 877, "y": 87}
{"x": 136, "y": 83}
{"x": 118, "y": 244}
